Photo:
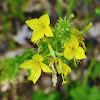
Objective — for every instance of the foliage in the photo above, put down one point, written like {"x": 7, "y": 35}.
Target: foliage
{"x": 15, "y": 10}
{"x": 97, "y": 11}
{"x": 9, "y": 69}
{"x": 42, "y": 96}
{"x": 10, "y": 66}
{"x": 96, "y": 70}
{"x": 81, "y": 93}
{"x": 60, "y": 7}
{"x": 71, "y": 6}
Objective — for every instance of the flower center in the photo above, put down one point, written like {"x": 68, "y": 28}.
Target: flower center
{"x": 73, "y": 49}
{"x": 43, "y": 26}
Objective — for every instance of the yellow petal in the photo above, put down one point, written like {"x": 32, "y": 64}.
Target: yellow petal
{"x": 29, "y": 64}
{"x": 58, "y": 70}
{"x": 37, "y": 57}
{"x": 45, "y": 68}
{"x": 33, "y": 24}
{"x": 44, "y": 19}
{"x": 48, "y": 31}
{"x": 68, "y": 54}
{"x": 79, "y": 53}
{"x": 44, "y": 39}
{"x": 74, "y": 31}
{"x": 66, "y": 69}
{"x": 74, "y": 41}
{"x": 37, "y": 36}
{"x": 35, "y": 74}
{"x": 35, "y": 42}
{"x": 67, "y": 44}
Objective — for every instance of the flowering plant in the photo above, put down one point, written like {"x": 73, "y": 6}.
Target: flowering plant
{"x": 55, "y": 47}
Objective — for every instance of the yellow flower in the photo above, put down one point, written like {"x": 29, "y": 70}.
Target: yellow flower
{"x": 40, "y": 27}
{"x": 80, "y": 38}
{"x": 72, "y": 49}
{"x": 65, "y": 69}
{"x": 53, "y": 61}
{"x": 35, "y": 65}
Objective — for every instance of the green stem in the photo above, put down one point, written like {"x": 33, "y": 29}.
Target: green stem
{"x": 60, "y": 64}
{"x": 59, "y": 54}
{"x": 88, "y": 72}
{"x": 51, "y": 50}
{"x": 59, "y": 7}
{"x": 70, "y": 17}
{"x": 87, "y": 28}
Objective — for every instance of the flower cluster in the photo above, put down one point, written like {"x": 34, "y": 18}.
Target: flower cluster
{"x": 55, "y": 48}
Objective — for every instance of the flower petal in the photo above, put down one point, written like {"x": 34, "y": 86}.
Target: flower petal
{"x": 79, "y": 53}
{"x": 37, "y": 36}
{"x": 74, "y": 41}
{"x": 45, "y": 68}
{"x": 48, "y": 31}
{"x": 66, "y": 69}
{"x": 58, "y": 70}
{"x": 37, "y": 57}
{"x": 35, "y": 74}
{"x": 68, "y": 53}
{"x": 44, "y": 19}
{"x": 33, "y": 24}
{"x": 74, "y": 31}
{"x": 29, "y": 64}
{"x": 67, "y": 44}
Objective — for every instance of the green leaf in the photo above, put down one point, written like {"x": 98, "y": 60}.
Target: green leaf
{"x": 10, "y": 66}
{"x": 94, "y": 94}
{"x": 96, "y": 71}
{"x": 54, "y": 96}
{"x": 42, "y": 96}
{"x": 9, "y": 69}
{"x": 39, "y": 96}
{"x": 81, "y": 93}
{"x": 97, "y": 11}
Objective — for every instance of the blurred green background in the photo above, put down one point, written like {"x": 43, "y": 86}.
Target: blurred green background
{"x": 15, "y": 47}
